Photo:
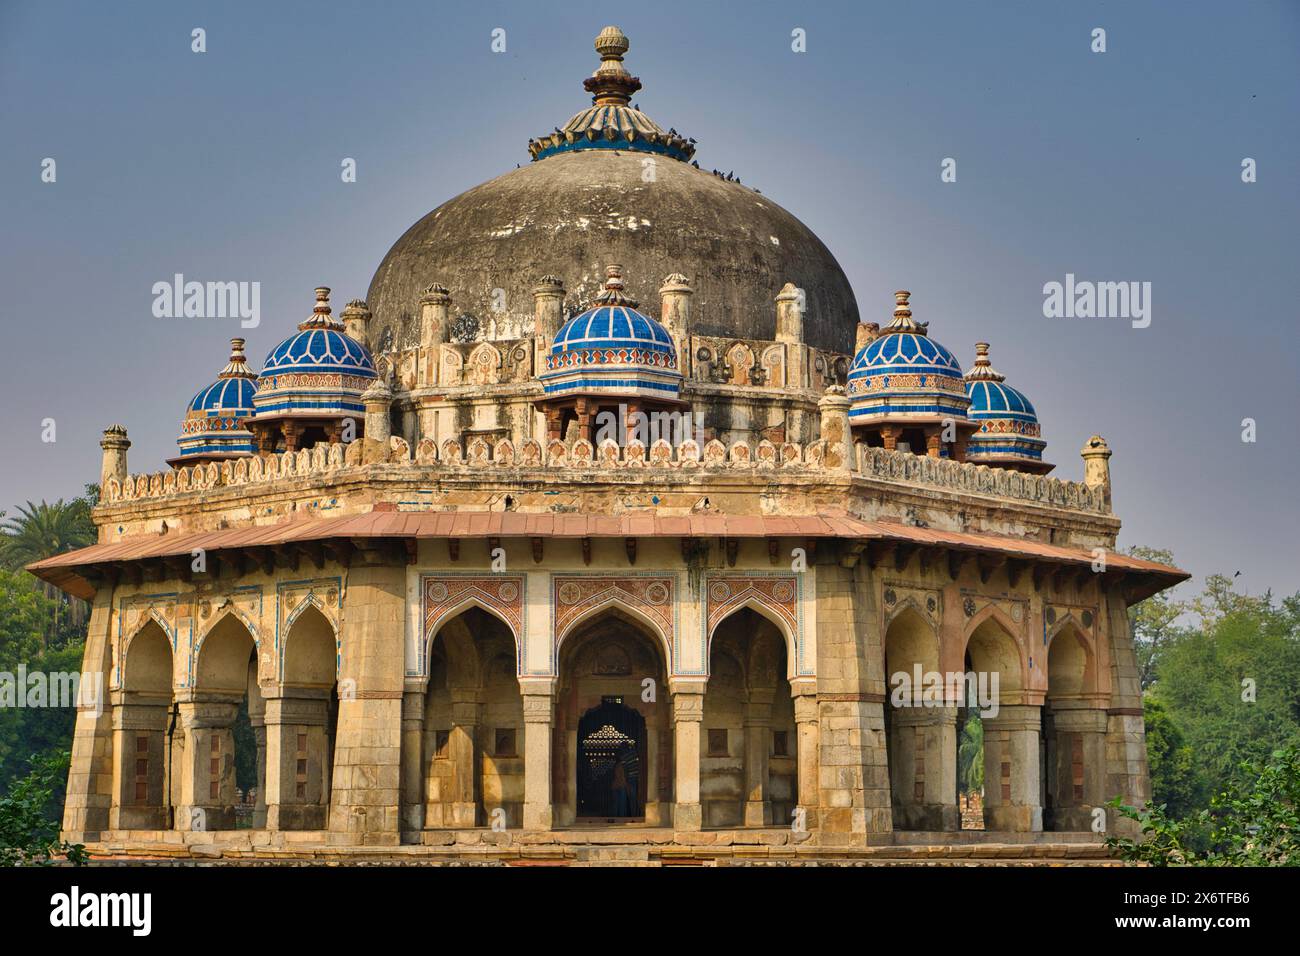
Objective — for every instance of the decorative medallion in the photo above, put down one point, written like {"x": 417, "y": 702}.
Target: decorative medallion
{"x": 968, "y": 606}
{"x": 890, "y": 597}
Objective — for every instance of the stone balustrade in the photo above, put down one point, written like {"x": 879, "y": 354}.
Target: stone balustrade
{"x": 876, "y": 463}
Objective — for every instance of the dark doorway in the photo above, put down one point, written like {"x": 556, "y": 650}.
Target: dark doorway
{"x": 611, "y": 753}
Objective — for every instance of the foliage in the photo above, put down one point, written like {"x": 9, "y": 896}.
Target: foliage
{"x": 1255, "y": 821}
{"x": 1176, "y": 781}
{"x": 970, "y": 755}
{"x": 1154, "y": 622}
{"x": 29, "y": 836}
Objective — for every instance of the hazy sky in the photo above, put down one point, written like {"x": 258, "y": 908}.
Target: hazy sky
{"x": 1115, "y": 166}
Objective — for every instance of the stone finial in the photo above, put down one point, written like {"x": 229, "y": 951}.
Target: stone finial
{"x": 320, "y": 317}
{"x": 983, "y": 370}
{"x": 611, "y": 84}
{"x": 356, "y": 320}
{"x": 791, "y": 302}
{"x": 903, "y": 321}
{"x": 1096, "y": 466}
{"x": 675, "y": 297}
{"x": 237, "y": 367}
{"x": 613, "y": 293}
{"x": 435, "y": 313}
{"x": 114, "y": 444}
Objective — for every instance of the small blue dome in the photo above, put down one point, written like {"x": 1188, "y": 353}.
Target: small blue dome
{"x": 613, "y": 327}
{"x": 320, "y": 350}
{"x": 998, "y": 400}
{"x": 612, "y": 349}
{"x": 214, "y": 426}
{"x": 224, "y": 397}
{"x": 905, "y": 352}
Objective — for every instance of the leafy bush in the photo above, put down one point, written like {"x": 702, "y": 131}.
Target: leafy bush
{"x": 28, "y": 835}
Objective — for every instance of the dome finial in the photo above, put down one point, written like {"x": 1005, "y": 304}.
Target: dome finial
{"x": 903, "y": 321}
{"x": 984, "y": 370}
{"x": 613, "y": 294}
{"x": 238, "y": 366}
{"x": 320, "y": 317}
{"x": 611, "y": 84}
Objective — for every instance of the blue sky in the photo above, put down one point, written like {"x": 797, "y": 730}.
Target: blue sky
{"x": 1123, "y": 165}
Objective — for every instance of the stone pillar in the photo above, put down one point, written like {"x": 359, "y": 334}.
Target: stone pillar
{"x": 297, "y": 794}
{"x": 413, "y": 757}
{"x": 548, "y": 316}
{"x": 539, "y": 715}
{"x": 1078, "y": 774}
{"x": 790, "y": 307}
{"x": 1011, "y": 782}
{"x": 806, "y": 729}
{"x": 1127, "y": 772}
{"x": 688, "y": 714}
{"x": 463, "y": 753}
{"x": 367, "y": 759}
{"x": 675, "y": 312}
{"x": 923, "y": 761}
{"x": 207, "y": 776}
{"x": 758, "y": 735}
{"x": 435, "y": 309}
{"x": 834, "y": 408}
{"x": 90, "y": 777}
{"x": 378, "y": 400}
{"x": 933, "y": 441}
{"x": 139, "y": 757}
{"x": 114, "y": 443}
{"x": 356, "y": 321}
{"x": 1096, "y": 467}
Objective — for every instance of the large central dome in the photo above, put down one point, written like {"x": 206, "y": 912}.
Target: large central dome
{"x": 612, "y": 186}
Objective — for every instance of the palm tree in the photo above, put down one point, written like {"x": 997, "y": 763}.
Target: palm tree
{"x": 970, "y": 756}
{"x": 41, "y": 531}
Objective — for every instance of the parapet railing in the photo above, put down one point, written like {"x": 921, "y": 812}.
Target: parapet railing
{"x": 870, "y": 462}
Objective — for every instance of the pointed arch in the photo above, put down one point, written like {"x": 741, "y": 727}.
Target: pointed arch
{"x": 1071, "y": 660}
{"x": 615, "y": 602}
{"x": 910, "y": 639}
{"x": 992, "y": 646}
{"x": 755, "y": 601}
{"x": 220, "y": 659}
{"x": 452, "y": 613}
{"x": 147, "y": 660}
{"x": 309, "y": 654}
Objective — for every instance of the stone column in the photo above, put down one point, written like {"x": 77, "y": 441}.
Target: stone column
{"x": 675, "y": 312}
{"x": 1080, "y": 764}
{"x": 413, "y": 757}
{"x": 1096, "y": 467}
{"x": 688, "y": 714}
{"x": 90, "y": 777}
{"x": 114, "y": 443}
{"x": 758, "y": 734}
{"x": 463, "y": 753}
{"x": 835, "y": 431}
{"x": 367, "y": 761}
{"x": 139, "y": 739}
{"x": 297, "y": 797}
{"x": 806, "y": 729}
{"x": 548, "y": 317}
{"x": 539, "y": 714}
{"x": 1011, "y": 784}
{"x": 923, "y": 759}
{"x": 1127, "y": 773}
{"x": 207, "y": 778}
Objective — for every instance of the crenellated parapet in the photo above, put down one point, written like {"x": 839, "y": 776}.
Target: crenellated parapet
{"x": 481, "y": 454}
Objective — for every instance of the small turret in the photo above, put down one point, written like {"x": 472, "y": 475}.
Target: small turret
{"x": 675, "y": 297}
{"x": 114, "y": 443}
{"x": 435, "y": 309}
{"x": 1096, "y": 467}
{"x": 356, "y": 320}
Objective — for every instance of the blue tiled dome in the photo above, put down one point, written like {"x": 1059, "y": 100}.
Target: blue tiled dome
{"x": 613, "y": 327}
{"x": 214, "y": 419}
{"x": 320, "y": 350}
{"x": 319, "y": 372}
{"x": 904, "y": 377}
{"x": 1009, "y": 435}
{"x": 612, "y": 349}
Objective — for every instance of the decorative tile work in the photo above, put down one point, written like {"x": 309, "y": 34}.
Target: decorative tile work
{"x": 653, "y": 596}
{"x": 135, "y": 612}
{"x": 444, "y": 595}
{"x": 781, "y": 594}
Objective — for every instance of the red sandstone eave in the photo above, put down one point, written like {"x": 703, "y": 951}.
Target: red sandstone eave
{"x": 65, "y": 571}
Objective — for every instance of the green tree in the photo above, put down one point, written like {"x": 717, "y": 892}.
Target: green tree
{"x": 41, "y": 531}
{"x": 1154, "y": 622}
{"x": 29, "y": 833}
{"x": 1176, "y": 781}
{"x": 970, "y": 755}
{"x": 1254, "y": 821}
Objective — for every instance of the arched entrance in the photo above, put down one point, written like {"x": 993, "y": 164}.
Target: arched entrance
{"x": 142, "y": 727}
{"x": 612, "y": 742}
{"x": 611, "y": 762}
